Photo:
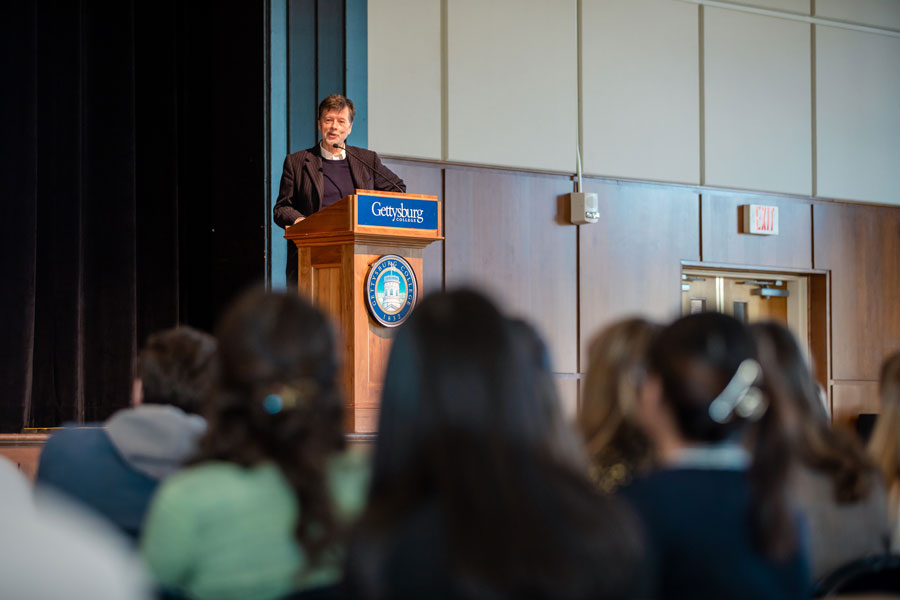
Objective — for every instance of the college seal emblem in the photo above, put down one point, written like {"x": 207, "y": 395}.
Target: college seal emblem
{"x": 391, "y": 290}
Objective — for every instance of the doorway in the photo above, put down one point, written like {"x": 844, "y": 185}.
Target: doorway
{"x": 750, "y": 297}
{"x": 799, "y": 300}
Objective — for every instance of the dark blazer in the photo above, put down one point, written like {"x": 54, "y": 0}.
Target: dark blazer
{"x": 302, "y": 183}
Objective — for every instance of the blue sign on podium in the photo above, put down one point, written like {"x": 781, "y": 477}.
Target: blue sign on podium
{"x": 385, "y": 211}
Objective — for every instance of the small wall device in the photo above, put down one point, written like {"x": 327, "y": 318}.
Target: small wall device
{"x": 584, "y": 208}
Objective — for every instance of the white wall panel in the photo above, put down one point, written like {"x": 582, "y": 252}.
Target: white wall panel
{"x": 405, "y": 77}
{"x": 512, "y": 83}
{"x": 877, "y": 13}
{"x": 757, "y": 102}
{"x": 858, "y": 115}
{"x": 640, "y": 89}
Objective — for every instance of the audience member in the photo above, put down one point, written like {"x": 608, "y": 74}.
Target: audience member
{"x": 478, "y": 487}
{"x": 835, "y": 484}
{"x": 617, "y": 366}
{"x": 52, "y": 548}
{"x": 114, "y": 468}
{"x": 716, "y": 514}
{"x": 259, "y": 512}
{"x": 885, "y": 444}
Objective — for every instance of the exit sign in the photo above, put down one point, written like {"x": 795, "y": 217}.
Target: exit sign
{"x": 760, "y": 219}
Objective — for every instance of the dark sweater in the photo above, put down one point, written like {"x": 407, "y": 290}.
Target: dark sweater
{"x": 698, "y": 528}
{"x": 337, "y": 179}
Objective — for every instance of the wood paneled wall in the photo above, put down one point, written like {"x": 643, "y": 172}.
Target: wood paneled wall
{"x": 630, "y": 261}
{"x": 503, "y": 236}
{"x": 850, "y": 398}
{"x": 860, "y": 246}
{"x": 507, "y": 232}
{"x": 723, "y": 242}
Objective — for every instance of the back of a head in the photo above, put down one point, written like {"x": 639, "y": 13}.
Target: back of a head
{"x": 819, "y": 446}
{"x": 695, "y": 358}
{"x": 470, "y": 426}
{"x": 277, "y": 400}
{"x": 278, "y": 375}
{"x": 177, "y": 367}
{"x": 617, "y": 364}
{"x": 885, "y": 444}
{"x": 459, "y": 380}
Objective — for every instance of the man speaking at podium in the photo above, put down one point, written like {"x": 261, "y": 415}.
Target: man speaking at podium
{"x": 320, "y": 176}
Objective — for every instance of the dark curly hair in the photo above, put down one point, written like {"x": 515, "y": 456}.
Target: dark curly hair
{"x": 277, "y": 400}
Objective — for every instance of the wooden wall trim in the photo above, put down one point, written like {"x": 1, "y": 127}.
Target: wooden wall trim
{"x": 700, "y": 189}
{"x": 23, "y": 439}
{"x": 448, "y": 164}
{"x": 23, "y": 450}
{"x": 694, "y": 264}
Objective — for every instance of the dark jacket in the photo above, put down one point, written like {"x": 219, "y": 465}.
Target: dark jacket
{"x": 302, "y": 187}
{"x": 114, "y": 468}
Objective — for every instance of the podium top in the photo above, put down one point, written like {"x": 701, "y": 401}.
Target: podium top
{"x": 374, "y": 217}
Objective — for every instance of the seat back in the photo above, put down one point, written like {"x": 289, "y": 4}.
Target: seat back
{"x": 872, "y": 574}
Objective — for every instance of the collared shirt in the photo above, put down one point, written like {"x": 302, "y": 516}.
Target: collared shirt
{"x": 341, "y": 155}
{"x": 727, "y": 456}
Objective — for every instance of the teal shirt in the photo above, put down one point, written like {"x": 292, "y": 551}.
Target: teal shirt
{"x": 221, "y": 531}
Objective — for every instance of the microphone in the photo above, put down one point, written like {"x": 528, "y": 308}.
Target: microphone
{"x": 368, "y": 166}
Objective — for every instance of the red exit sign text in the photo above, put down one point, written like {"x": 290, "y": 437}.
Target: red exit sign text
{"x": 760, "y": 219}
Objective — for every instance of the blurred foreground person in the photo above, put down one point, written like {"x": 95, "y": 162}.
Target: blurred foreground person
{"x": 836, "y": 485}
{"x": 115, "y": 467}
{"x": 885, "y": 443}
{"x": 259, "y": 513}
{"x": 478, "y": 487}
{"x": 717, "y": 515}
{"x": 617, "y": 367}
{"x": 52, "y": 548}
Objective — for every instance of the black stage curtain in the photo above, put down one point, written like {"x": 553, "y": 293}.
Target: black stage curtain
{"x": 133, "y": 189}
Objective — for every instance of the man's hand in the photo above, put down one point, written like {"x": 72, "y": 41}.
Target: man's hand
{"x": 300, "y": 218}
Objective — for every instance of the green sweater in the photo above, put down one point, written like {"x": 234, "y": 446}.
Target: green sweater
{"x": 221, "y": 531}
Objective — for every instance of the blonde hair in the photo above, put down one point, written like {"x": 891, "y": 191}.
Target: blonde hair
{"x": 616, "y": 371}
{"x": 885, "y": 444}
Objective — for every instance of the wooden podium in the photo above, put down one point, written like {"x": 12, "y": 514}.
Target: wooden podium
{"x": 336, "y": 248}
